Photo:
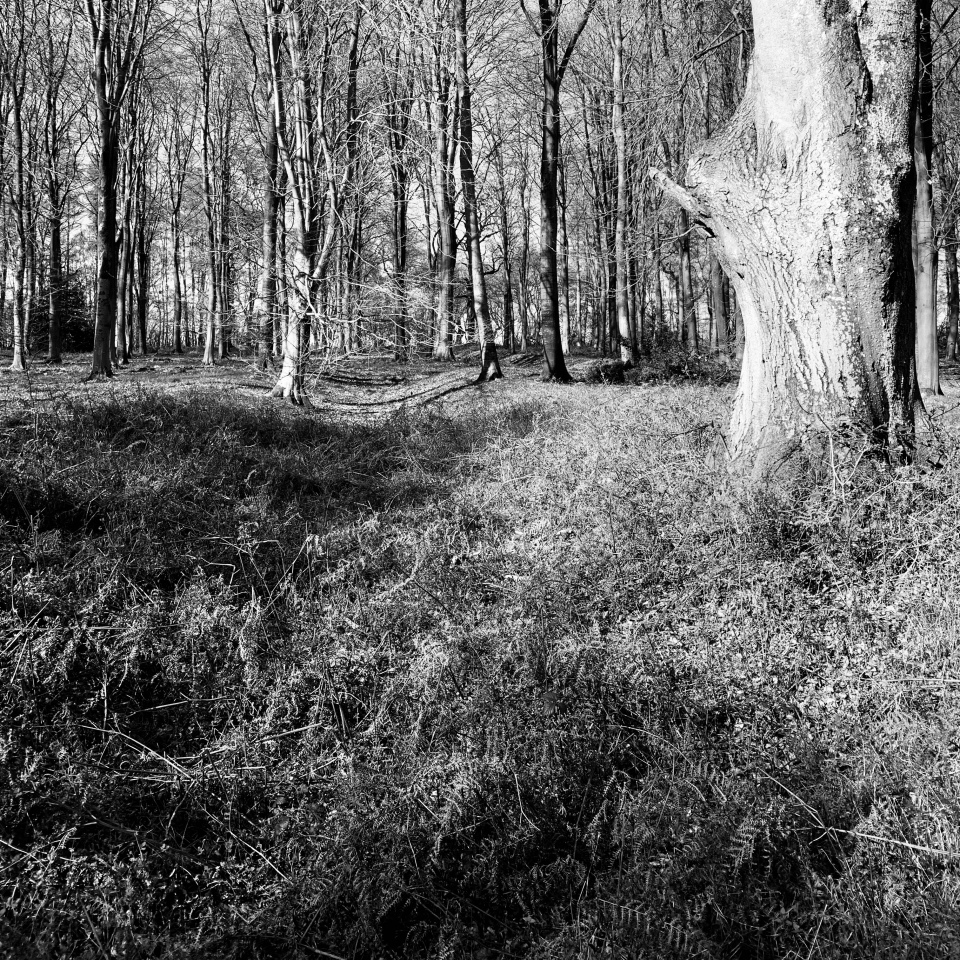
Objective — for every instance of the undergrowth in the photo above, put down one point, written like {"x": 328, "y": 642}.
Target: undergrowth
{"x": 528, "y": 678}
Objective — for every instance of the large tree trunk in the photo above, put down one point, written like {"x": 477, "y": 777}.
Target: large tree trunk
{"x": 809, "y": 192}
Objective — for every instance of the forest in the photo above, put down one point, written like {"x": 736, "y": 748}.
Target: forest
{"x": 479, "y": 479}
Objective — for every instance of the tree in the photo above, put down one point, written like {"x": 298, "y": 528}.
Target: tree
{"x": 208, "y": 56}
{"x": 119, "y": 32}
{"x": 178, "y": 137}
{"x": 14, "y": 34}
{"x": 626, "y": 339}
{"x": 489, "y": 363}
{"x": 301, "y": 157}
{"x": 809, "y": 193}
{"x": 553, "y": 67}
{"x": 924, "y": 226}
{"x": 443, "y": 121}
{"x": 397, "y": 79}
{"x": 59, "y": 112}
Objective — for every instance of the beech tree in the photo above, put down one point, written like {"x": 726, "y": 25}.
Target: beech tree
{"x": 13, "y": 34}
{"x": 554, "y": 65}
{"x": 924, "y": 221}
{"x": 302, "y": 153}
{"x": 119, "y": 34}
{"x": 809, "y": 194}
{"x": 489, "y": 362}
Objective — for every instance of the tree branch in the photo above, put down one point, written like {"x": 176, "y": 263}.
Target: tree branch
{"x": 679, "y": 195}
{"x": 568, "y": 53}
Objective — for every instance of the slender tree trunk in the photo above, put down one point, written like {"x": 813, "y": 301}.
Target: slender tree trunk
{"x": 206, "y": 141}
{"x": 551, "y": 335}
{"x": 143, "y": 287}
{"x": 523, "y": 287}
{"x": 19, "y": 362}
{"x": 508, "y": 321}
{"x": 625, "y": 337}
{"x": 178, "y": 295}
{"x": 489, "y": 361}
{"x": 718, "y": 304}
{"x": 953, "y": 296}
{"x": 687, "y": 306}
{"x": 225, "y": 314}
{"x": 265, "y": 305}
{"x": 445, "y": 125}
{"x": 123, "y": 279}
{"x": 4, "y": 270}
{"x": 55, "y": 277}
{"x": 661, "y": 320}
{"x": 18, "y": 192}
{"x": 924, "y": 236}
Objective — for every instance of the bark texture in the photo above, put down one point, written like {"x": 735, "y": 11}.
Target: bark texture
{"x": 809, "y": 193}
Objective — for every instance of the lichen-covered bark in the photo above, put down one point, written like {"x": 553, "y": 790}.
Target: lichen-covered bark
{"x": 809, "y": 192}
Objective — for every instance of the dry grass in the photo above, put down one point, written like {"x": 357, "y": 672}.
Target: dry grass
{"x": 520, "y": 674}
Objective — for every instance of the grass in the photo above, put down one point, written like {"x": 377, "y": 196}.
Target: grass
{"x": 527, "y": 677}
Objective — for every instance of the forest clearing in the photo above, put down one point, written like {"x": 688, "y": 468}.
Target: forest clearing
{"x": 520, "y": 672}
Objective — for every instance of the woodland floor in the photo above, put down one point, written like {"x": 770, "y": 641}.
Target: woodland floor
{"x": 439, "y": 670}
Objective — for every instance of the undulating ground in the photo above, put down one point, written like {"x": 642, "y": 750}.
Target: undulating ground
{"x": 434, "y": 670}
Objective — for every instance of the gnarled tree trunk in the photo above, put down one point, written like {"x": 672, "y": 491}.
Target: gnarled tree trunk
{"x": 809, "y": 193}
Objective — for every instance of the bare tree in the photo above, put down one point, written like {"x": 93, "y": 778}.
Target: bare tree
{"x": 553, "y": 67}
{"x": 119, "y": 33}
{"x": 489, "y": 363}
